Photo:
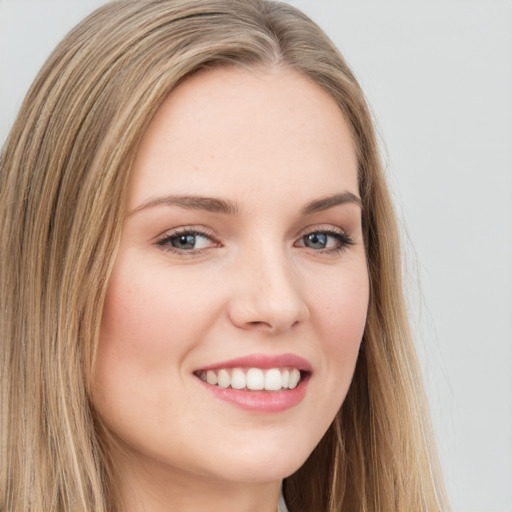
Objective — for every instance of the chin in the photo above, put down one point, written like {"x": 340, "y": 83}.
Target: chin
{"x": 264, "y": 461}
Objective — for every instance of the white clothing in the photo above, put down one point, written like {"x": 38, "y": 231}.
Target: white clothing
{"x": 281, "y": 506}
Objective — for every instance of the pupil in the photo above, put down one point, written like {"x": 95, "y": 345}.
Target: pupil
{"x": 184, "y": 242}
{"x": 316, "y": 240}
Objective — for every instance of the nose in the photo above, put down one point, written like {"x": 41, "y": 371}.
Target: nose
{"x": 267, "y": 295}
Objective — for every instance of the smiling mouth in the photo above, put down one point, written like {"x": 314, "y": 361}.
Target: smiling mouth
{"x": 253, "y": 379}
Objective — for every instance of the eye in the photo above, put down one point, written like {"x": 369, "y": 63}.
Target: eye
{"x": 316, "y": 240}
{"x": 186, "y": 241}
{"x": 325, "y": 240}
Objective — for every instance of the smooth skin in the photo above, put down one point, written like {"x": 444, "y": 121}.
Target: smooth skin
{"x": 262, "y": 266}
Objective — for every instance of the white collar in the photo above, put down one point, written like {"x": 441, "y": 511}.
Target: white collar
{"x": 281, "y": 506}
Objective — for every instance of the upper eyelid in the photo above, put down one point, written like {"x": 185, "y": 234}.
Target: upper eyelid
{"x": 323, "y": 228}
{"x": 205, "y": 231}
{"x": 192, "y": 229}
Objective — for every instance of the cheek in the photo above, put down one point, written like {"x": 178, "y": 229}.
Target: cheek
{"x": 143, "y": 337}
{"x": 133, "y": 325}
{"x": 148, "y": 328}
{"x": 340, "y": 321}
{"x": 150, "y": 324}
{"x": 148, "y": 315}
{"x": 341, "y": 307}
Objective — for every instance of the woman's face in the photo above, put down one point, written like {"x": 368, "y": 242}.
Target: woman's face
{"x": 241, "y": 262}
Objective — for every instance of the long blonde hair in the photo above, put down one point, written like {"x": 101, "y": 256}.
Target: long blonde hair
{"x": 63, "y": 179}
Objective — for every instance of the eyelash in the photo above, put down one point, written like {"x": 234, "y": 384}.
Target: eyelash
{"x": 343, "y": 241}
{"x": 166, "y": 241}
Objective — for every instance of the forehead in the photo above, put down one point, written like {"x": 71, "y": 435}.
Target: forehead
{"x": 228, "y": 129}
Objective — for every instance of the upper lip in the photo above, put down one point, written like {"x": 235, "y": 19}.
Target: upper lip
{"x": 263, "y": 361}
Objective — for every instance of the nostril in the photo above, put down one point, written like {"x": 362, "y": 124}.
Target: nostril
{"x": 258, "y": 323}
{"x": 270, "y": 326}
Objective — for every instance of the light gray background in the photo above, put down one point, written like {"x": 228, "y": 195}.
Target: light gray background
{"x": 438, "y": 75}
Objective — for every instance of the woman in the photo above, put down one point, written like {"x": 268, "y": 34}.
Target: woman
{"x": 201, "y": 290}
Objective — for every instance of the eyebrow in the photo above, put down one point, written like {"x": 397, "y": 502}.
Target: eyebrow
{"x": 226, "y": 207}
{"x": 208, "y": 204}
{"x": 319, "y": 205}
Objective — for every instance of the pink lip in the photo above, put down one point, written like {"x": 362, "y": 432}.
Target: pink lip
{"x": 264, "y": 362}
{"x": 262, "y": 401}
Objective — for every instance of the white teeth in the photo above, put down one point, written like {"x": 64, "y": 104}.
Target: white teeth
{"x": 238, "y": 380}
{"x": 285, "y": 378}
{"x": 211, "y": 377}
{"x": 294, "y": 378}
{"x": 223, "y": 379}
{"x": 254, "y": 379}
{"x": 273, "y": 380}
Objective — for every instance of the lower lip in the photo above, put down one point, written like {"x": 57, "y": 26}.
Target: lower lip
{"x": 261, "y": 401}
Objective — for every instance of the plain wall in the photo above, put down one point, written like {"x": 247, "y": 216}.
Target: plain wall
{"x": 438, "y": 76}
